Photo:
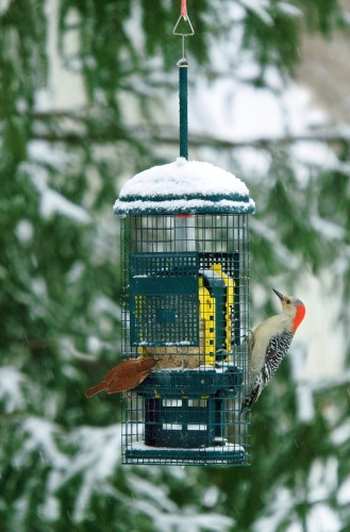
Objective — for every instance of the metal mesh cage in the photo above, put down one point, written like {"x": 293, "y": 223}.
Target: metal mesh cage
{"x": 185, "y": 303}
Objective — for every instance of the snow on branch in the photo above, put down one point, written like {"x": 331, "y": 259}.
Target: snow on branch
{"x": 12, "y": 393}
{"x": 77, "y": 128}
{"x": 96, "y": 461}
{"x": 197, "y": 140}
{"x": 259, "y": 8}
{"x": 264, "y": 232}
{"x": 184, "y": 519}
{"x": 95, "y": 457}
{"x": 327, "y": 228}
{"x": 51, "y": 201}
{"x": 304, "y": 396}
{"x": 166, "y": 516}
{"x": 40, "y": 436}
{"x": 95, "y": 454}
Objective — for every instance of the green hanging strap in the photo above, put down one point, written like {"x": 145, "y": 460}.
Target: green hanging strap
{"x": 183, "y": 28}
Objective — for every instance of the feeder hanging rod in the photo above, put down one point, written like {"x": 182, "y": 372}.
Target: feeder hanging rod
{"x": 183, "y": 28}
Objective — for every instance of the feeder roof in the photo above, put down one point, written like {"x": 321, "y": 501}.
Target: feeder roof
{"x": 184, "y": 187}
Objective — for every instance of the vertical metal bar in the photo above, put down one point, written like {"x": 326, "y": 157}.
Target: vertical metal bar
{"x": 237, "y": 302}
{"x": 183, "y": 97}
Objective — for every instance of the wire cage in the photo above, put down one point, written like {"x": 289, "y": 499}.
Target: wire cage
{"x": 186, "y": 304}
{"x": 185, "y": 270}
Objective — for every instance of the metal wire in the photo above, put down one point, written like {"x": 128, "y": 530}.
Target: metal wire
{"x": 186, "y": 303}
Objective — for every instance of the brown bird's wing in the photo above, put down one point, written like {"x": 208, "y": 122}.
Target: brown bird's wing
{"x": 129, "y": 374}
{"x": 104, "y": 384}
{"x": 123, "y": 377}
{"x": 120, "y": 369}
{"x": 128, "y": 382}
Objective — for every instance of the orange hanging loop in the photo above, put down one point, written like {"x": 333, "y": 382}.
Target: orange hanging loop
{"x": 184, "y": 8}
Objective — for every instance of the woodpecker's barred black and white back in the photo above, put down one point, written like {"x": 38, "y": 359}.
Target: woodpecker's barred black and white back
{"x": 276, "y": 351}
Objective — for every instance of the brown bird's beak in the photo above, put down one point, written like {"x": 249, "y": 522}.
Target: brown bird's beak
{"x": 279, "y": 294}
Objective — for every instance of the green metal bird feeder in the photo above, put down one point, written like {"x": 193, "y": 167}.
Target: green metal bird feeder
{"x": 185, "y": 266}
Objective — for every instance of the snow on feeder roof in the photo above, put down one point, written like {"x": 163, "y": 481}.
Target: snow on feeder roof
{"x": 184, "y": 187}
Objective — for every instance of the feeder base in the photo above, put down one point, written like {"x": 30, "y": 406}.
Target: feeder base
{"x": 227, "y": 454}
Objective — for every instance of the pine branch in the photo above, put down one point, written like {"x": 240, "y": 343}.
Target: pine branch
{"x": 112, "y": 133}
{"x": 102, "y": 127}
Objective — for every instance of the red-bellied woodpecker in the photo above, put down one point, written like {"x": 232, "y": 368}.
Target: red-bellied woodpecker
{"x": 269, "y": 344}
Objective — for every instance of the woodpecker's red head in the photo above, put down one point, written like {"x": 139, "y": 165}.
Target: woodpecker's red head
{"x": 293, "y": 307}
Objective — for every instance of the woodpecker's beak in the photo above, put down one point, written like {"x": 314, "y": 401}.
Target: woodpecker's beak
{"x": 279, "y": 294}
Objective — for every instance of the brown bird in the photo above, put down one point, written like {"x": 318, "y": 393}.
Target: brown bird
{"x": 123, "y": 377}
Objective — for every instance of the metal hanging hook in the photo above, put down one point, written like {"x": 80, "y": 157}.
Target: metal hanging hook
{"x": 183, "y": 26}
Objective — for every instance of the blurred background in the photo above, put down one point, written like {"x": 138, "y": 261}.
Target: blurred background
{"x": 88, "y": 97}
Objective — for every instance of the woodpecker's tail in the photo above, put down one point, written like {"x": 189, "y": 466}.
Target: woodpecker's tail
{"x": 252, "y": 396}
{"x": 94, "y": 390}
{"x": 245, "y": 407}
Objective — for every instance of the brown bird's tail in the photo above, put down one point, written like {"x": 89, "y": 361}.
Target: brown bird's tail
{"x": 94, "y": 390}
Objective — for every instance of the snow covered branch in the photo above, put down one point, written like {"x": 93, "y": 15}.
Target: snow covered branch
{"x": 53, "y": 127}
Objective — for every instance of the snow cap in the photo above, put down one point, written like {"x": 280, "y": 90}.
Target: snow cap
{"x": 184, "y": 187}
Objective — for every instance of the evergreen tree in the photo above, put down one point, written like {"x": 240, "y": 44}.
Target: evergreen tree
{"x": 60, "y": 285}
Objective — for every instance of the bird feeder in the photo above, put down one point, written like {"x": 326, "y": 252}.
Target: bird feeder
{"x": 185, "y": 265}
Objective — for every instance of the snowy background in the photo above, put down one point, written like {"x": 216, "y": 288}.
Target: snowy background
{"x": 67, "y": 147}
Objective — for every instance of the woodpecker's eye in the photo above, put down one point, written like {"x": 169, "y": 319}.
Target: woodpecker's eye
{"x": 288, "y": 301}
